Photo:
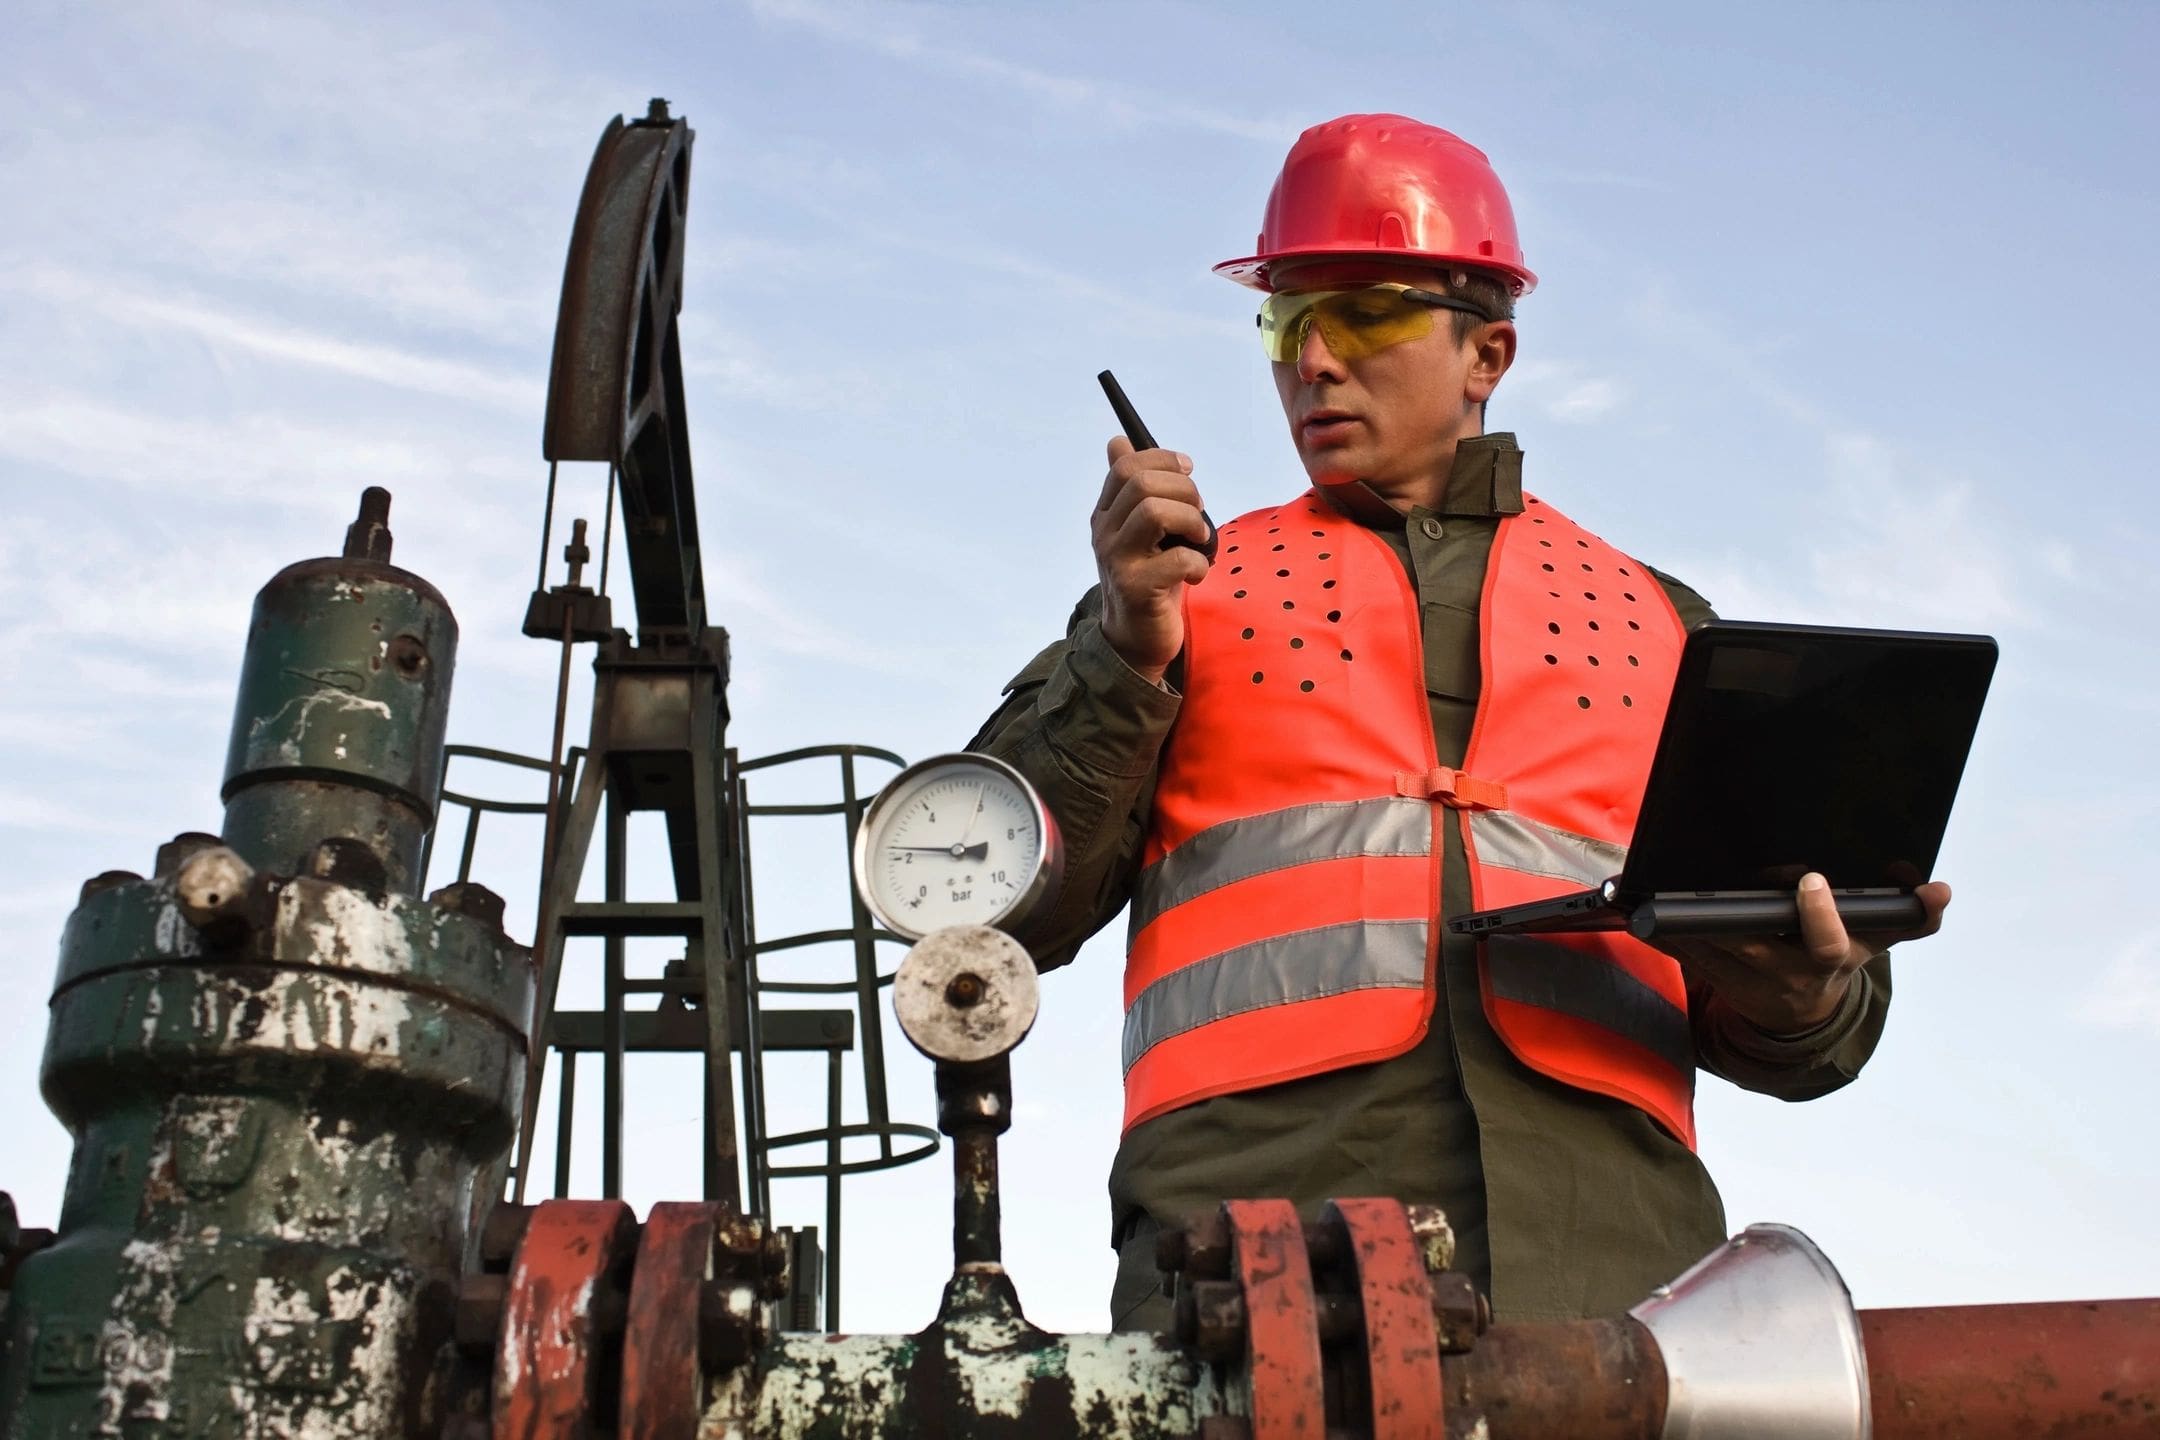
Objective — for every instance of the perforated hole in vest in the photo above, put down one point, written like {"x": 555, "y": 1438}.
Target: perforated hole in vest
{"x": 1577, "y": 618}
{"x": 1312, "y": 667}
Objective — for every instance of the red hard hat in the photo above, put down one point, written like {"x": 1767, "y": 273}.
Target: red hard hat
{"x": 1386, "y": 186}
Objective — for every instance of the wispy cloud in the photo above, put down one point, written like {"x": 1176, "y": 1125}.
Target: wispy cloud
{"x": 871, "y": 27}
{"x": 228, "y": 330}
{"x": 1893, "y": 537}
{"x": 2126, "y": 995}
{"x": 1561, "y": 390}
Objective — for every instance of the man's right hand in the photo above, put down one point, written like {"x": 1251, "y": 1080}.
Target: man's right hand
{"x": 1147, "y": 496}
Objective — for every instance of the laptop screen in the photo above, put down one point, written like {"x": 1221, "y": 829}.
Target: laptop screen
{"x": 1790, "y": 748}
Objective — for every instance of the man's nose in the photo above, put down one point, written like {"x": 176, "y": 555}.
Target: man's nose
{"x": 1315, "y": 361}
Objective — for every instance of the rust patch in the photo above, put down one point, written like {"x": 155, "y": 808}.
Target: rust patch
{"x": 550, "y": 1376}
{"x": 1402, "y": 1342}
{"x": 1282, "y": 1320}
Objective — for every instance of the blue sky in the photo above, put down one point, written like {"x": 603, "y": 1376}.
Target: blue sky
{"x": 1845, "y": 314}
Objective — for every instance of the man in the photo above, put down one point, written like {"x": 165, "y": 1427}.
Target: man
{"x": 1410, "y": 691}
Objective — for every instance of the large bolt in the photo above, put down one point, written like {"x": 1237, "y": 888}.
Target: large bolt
{"x": 1207, "y": 1246}
{"x": 478, "y": 1321}
{"x": 368, "y": 537}
{"x": 1172, "y": 1248}
{"x": 212, "y": 888}
{"x": 105, "y": 880}
{"x": 342, "y": 860}
{"x": 501, "y": 1232}
{"x": 778, "y": 1266}
{"x": 731, "y": 1325}
{"x": 175, "y": 852}
{"x": 1219, "y": 1319}
{"x": 473, "y": 901}
{"x": 1461, "y": 1312}
{"x": 1435, "y": 1237}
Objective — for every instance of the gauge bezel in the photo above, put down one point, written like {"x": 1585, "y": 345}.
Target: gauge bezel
{"x": 1048, "y": 857}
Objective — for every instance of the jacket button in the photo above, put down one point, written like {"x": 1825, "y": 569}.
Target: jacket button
{"x": 1432, "y": 528}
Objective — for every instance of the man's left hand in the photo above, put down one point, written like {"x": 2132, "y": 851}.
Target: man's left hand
{"x": 1786, "y": 986}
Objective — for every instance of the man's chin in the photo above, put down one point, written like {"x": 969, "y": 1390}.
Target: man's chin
{"x": 1329, "y": 467}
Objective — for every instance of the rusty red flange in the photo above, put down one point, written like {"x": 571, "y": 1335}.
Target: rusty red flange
{"x": 1281, "y": 1318}
{"x": 663, "y": 1383}
{"x": 564, "y": 1301}
{"x": 1402, "y": 1342}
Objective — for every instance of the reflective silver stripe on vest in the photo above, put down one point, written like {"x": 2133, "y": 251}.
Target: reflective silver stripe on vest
{"x": 1553, "y": 977}
{"x": 1240, "y": 849}
{"x": 1307, "y": 965}
{"x": 1515, "y": 842}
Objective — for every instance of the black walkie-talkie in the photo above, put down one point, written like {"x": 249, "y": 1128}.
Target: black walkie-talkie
{"x": 1136, "y": 431}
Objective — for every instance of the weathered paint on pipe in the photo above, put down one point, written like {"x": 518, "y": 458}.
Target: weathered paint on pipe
{"x": 980, "y": 1371}
{"x": 1564, "y": 1380}
{"x": 2034, "y": 1372}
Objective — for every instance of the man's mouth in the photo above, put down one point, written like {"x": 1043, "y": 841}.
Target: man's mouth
{"x": 1326, "y": 424}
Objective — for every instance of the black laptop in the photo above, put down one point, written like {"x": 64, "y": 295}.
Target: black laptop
{"x": 1787, "y": 748}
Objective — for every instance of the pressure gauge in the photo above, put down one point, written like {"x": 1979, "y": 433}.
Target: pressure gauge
{"x": 956, "y": 840}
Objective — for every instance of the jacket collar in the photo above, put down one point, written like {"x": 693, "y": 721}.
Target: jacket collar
{"x": 1484, "y": 483}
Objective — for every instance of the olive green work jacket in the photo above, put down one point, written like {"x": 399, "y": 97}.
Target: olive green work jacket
{"x": 1564, "y": 1203}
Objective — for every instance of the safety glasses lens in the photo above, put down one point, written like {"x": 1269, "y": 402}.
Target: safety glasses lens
{"x": 1353, "y": 323}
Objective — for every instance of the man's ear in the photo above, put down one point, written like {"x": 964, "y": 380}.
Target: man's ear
{"x": 1492, "y": 352}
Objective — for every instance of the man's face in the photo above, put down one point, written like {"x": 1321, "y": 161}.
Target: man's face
{"x": 1390, "y": 418}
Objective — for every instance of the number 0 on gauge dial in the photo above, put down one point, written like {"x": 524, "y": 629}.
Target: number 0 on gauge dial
{"x": 956, "y": 840}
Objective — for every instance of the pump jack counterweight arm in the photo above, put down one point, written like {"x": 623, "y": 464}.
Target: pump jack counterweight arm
{"x": 615, "y": 388}
{"x": 1136, "y": 431}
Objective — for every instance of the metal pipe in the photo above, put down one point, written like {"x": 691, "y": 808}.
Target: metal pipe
{"x": 1977, "y": 1372}
{"x": 1562, "y": 1380}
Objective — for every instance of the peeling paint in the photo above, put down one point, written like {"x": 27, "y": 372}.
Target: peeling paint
{"x": 287, "y": 749}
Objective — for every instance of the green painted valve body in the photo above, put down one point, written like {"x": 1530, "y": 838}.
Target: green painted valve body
{"x": 283, "y": 1087}
{"x": 338, "y": 731}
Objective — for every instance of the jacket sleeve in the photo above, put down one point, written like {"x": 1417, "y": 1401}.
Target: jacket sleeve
{"x": 1086, "y": 729}
{"x": 1791, "y": 1067}
{"x": 1796, "y": 1067}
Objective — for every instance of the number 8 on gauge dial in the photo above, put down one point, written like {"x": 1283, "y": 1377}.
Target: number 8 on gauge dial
{"x": 956, "y": 840}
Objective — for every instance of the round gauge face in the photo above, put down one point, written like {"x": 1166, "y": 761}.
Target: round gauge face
{"x": 955, "y": 840}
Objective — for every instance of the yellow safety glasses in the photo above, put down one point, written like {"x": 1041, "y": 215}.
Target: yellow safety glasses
{"x": 1354, "y": 323}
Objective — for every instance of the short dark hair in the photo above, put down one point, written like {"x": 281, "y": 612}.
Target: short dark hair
{"x": 1487, "y": 291}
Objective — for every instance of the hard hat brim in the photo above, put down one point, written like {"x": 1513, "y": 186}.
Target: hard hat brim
{"x": 1252, "y": 270}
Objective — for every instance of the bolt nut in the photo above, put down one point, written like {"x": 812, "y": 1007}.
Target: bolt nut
{"x": 501, "y": 1232}
{"x": 1207, "y": 1246}
{"x": 477, "y": 1324}
{"x": 105, "y": 880}
{"x": 1218, "y": 1321}
{"x": 342, "y": 860}
{"x": 1172, "y": 1248}
{"x": 473, "y": 901}
{"x": 731, "y": 1325}
{"x": 778, "y": 1261}
{"x": 213, "y": 887}
{"x": 1460, "y": 1311}
{"x": 175, "y": 852}
{"x": 1435, "y": 1237}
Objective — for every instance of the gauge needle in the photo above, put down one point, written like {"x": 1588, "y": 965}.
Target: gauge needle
{"x": 972, "y": 813}
{"x": 958, "y": 852}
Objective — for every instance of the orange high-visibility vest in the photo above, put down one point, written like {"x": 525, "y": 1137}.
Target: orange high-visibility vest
{"x": 1285, "y": 922}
